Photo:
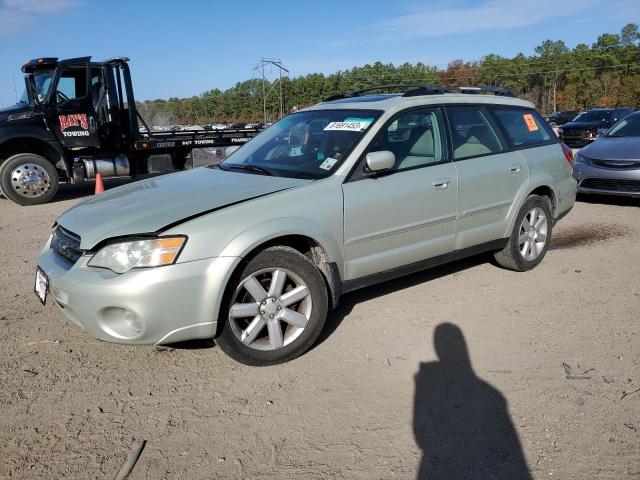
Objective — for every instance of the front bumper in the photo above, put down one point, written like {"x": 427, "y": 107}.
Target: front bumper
{"x": 577, "y": 141}
{"x": 172, "y": 303}
{"x": 606, "y": 181}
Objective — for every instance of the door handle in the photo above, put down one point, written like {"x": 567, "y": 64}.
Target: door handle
{"x": 441, "y": 183}
{"x": 515, "y": 168}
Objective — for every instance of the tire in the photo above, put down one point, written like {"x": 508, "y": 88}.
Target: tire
{"x": 28, "y": 179}
{"x": 262, "y": 344}
{"x": 511, "y": 256}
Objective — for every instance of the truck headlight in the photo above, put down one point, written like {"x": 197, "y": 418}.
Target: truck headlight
{"x": 123, "y": 256}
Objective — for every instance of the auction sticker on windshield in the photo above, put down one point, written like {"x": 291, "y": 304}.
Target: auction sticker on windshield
{"x": 328, "y": 163}
{"x": 350, "y": 125}
{"x": 41, "y": 286}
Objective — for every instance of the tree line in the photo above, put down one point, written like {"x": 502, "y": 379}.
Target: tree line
{"x": 555, "y": 77}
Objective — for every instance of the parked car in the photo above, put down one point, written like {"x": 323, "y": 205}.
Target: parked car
{"x": 351, "y": 192}
{"x": 611, "y": 164}
{"x": 585, "y": 128}
{"x": 556, "y": 119}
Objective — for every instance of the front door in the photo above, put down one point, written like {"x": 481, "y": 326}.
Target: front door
{"x": 407, "y": 214}
{"x": 72, "y": 113}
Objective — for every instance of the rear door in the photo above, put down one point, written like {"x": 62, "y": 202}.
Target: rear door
{"x": 72, "y": 113}
{"x": 408, "y": 214}
{"x": 489, "y": 175}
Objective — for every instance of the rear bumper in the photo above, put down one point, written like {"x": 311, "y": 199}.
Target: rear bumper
{"x": 173, "y": 303}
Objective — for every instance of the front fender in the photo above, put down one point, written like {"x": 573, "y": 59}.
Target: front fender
{"x": 264, "y": 232}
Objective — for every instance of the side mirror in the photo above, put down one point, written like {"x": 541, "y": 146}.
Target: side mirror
{"x": 381, "y": 161}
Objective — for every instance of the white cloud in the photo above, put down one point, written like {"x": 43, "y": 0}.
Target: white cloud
{"x": 428, "y": 21}
{"x": 17, "y": 15}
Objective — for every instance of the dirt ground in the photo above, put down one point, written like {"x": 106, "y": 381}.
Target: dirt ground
{"x": 373, "y": 399}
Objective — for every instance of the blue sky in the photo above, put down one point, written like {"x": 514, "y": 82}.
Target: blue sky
{"x": 182, "y": 48}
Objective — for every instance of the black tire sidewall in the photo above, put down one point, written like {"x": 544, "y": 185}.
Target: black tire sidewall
{"x": 5, "y": 178}
{"x": 276, "y": 257}
{"x": 531, "y": 202}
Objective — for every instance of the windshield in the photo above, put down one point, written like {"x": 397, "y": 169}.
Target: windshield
{"x": 42, "y": 82}
{"x": 303, "y": 145}
{"x": 593, "y": 116}
{"x": 629, "y": 127}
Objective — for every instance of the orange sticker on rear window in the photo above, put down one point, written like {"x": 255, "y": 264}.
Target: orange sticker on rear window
{"x": 531, "y": 123}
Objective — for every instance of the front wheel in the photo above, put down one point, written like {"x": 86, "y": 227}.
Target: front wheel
{"x": 28, "y": 179}
{"x": 275, "y": 308}
{"x": 530, "y": 237}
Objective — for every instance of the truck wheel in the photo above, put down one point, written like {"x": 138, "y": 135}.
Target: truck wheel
{"x": 275, "y": 308}
{"x": 530, "y": 237}
{"x": 28, "y": 179}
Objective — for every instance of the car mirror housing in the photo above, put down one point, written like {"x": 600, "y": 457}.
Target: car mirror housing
{"x": 377, "y": 162}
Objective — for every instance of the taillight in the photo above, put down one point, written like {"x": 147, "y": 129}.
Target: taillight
{"x": 568, "y": 153}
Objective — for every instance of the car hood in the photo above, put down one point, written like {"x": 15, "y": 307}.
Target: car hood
{"x": 613, "y": 148}
{"x": 150, "y": 205}
{"x": 598, "y": 124}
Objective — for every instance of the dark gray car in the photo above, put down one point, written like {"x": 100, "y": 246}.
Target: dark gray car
{"x": 611, "y": 164}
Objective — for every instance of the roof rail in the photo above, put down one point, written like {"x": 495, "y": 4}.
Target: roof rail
{"x": 440, "y": 89}
{"x": 416, "y": 90}
{"x": 359, "y": 93}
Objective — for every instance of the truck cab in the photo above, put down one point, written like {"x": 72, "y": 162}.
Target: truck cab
{"x": 78, "y": 118}
{"x": 71, "y": 110}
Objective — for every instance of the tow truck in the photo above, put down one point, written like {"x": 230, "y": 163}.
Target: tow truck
{"x": 78, "y": 118}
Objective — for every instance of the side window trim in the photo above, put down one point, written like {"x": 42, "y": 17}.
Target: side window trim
{"x": 504, "y": 145}
{"x": 447, "y": 157}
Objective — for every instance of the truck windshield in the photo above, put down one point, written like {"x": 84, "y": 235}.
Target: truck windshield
{"x": 42, "y": 81}
{"x": 303, "y": 145}
{"x": 593, "y": 116}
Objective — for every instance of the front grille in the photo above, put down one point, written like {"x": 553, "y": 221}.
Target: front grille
{"x": 615, "y": 185}
{"x": 66, "y": 244}
{"x": 573, "y": 132}
{"x": 616, "y": 164}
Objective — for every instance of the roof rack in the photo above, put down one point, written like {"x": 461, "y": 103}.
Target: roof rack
{"x": 359, "y": 93}
{"x": 440, "y": 89}
{"x": 415, "y": 90}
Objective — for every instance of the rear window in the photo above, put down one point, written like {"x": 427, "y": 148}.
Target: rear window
{"x": 524, "y": 127}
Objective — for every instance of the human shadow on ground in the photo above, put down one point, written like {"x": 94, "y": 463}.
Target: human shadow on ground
{"x": 461, "y": 422}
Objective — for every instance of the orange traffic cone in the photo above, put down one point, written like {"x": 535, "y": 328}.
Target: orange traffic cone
{"x": 99, "y": 184}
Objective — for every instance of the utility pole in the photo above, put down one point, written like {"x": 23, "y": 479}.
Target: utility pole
{"x": 264, "y": 62}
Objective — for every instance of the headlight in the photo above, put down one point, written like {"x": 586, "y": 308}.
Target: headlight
{"x": 122, "y": 257}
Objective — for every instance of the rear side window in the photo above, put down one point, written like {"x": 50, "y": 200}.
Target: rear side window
{"x": 472, "y": 132}
{"x": 523, "y": 127}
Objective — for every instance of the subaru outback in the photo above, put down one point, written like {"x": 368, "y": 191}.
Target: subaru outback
{"x": 256, "y": 251}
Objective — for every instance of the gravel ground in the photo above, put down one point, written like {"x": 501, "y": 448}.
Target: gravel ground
{"x": 373, "y": 399}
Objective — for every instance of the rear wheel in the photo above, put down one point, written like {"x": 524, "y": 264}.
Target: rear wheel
{"x": 530, "y": 237}
{"x": 28, "y": 179}
{"x": 275, "y": 309}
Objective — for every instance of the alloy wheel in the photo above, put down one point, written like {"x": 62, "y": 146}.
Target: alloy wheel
{"x": 270, "y": 309}
{"x": 532, "y": 237}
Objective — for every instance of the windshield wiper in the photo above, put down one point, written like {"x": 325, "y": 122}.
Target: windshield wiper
{"x": 251, "y": 168}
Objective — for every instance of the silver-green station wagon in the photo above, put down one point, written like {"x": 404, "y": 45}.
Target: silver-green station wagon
{"x": 361, "y": 188}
